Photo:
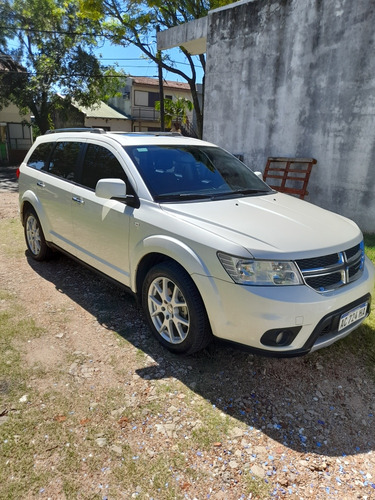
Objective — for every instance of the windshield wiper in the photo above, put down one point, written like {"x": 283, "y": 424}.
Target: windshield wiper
{"x": 251, "y": 191}
{"x": 182, "y": 196}
{"x": 241, "y": 192}
{"x": 208, "y": 196}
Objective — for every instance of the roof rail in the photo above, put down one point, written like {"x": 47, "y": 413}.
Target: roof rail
{"x": 155, "y": 133}
{"x": 82, "y": 129}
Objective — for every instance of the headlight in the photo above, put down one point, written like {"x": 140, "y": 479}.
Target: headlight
{"x": 260, "y": 272}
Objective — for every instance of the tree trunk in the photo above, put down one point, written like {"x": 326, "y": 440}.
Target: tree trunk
{"x": 197, "y": 108}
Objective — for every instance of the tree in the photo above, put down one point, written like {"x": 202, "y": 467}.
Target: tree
{"x": 135, "y": 22}
{"x": 175, "y": 112}
{"x": 53, "y": 54}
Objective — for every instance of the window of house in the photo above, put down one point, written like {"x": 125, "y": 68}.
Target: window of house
{"x": 19, "y": 136}
{"x": 64, "y": 159}
{"x": 39, "y": 159}
{"x": 147, "y": 99}
{"x": 100, "y": 163}
{"x": 140, "y": 98}
{"x": 152, "y": 98}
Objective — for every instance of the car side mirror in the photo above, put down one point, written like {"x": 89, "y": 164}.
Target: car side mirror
{"x": 111, "y": 188}
{"x": 259, "y": 174}
{"x": 115, "y": 189}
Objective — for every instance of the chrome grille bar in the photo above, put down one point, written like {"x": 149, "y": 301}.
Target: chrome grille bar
{"x": 329, "y": 272}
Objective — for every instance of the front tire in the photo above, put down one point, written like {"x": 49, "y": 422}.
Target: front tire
{"x": 34, "y": 236}
{"x": 174, "y": 309}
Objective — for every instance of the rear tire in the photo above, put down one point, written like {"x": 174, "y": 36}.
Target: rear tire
{"x": 34, "y": 236}
{"x": 174, "y": 309}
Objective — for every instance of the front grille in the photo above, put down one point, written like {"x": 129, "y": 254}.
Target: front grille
{"x": 318, "y": 262}
{"x": 329, "y": 272}
{"x": 324, "y": 281}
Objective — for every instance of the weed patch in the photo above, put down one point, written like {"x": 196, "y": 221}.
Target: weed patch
{"x": 11, "y": 236}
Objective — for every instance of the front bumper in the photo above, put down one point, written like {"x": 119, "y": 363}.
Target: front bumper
{"x": 242, "y": 314}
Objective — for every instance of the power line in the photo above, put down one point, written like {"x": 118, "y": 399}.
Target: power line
{"x": 81, "y": 76}
{"x": 178, "y": 63}
{"x": 119, "y": 59}
{"x": 29, "y": 73}
{"x": 137, "y": 59}
{"x": 51, "y": 32}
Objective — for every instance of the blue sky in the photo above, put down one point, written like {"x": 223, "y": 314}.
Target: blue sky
{"x": 132, "y": 61}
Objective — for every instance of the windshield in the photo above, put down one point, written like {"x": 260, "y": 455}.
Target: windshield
{"x": 193, "y": 172}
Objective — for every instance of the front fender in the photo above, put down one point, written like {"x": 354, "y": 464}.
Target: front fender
{"x": 170, "y": 247}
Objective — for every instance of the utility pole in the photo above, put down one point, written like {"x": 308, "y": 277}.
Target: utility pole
{"x": 161, "y": 87}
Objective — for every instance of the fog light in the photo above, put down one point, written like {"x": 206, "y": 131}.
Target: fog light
{"x": 280, "y": 337}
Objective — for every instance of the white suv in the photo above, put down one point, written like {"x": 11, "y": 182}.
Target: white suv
{"x": 205, "y": 245}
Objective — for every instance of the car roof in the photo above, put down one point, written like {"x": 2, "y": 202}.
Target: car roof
{"x": 123, "y": 138}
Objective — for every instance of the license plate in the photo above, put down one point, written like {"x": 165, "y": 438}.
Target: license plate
{"x": 352, "y": 316}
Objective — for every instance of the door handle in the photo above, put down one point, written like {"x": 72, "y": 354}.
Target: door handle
{"x": 78, "y": 200}
{"x": 40, "y": 184}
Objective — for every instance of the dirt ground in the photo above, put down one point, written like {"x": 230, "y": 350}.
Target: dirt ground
{"x": 304, "y": 426}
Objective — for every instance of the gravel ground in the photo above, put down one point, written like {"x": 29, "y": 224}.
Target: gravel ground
{"x": 304, "y": 426}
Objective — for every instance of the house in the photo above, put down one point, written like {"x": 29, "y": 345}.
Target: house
{"x": 98, "y": 116}
{"x": 131, "y": 111}
{"x": 293, "y": 79}
{"x": 138, "y": 99}
{"x": 15, "y": 129}
{"x": 15, "y": 135}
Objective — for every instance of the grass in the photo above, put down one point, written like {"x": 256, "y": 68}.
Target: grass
{"x": 370, "y": 246}
{"x": 13, "y": 376}
{"x": 11, "y": 238}
{"x": 257, "y": 487}
{"x": 17, "y": 472}
{"x": 214, "y": 428}
{"x": 369, "y": 325}
{"x": 160, "y": 482}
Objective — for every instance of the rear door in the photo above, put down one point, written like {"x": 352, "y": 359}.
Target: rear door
{"x": 54, "y": 190}
{"x": 100, "y": 226}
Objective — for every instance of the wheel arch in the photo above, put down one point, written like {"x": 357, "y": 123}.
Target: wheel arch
{"x": 30, "y": 200}
{"x": 147, "y": 262}
{"x": 156, "y": 249}
{"x": 23, "y": 209}
{"x": 34, "y": 235}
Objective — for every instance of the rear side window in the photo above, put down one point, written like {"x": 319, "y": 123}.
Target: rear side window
{"x": 39, "y": 158}
{"x": 100, "y": 163}
{"x": 64, "y": 159}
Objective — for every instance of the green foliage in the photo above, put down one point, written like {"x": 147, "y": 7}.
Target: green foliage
{"x": 175, "y": 111}
{"x": 53, "y": 53}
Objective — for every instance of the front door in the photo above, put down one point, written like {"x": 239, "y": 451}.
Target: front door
{"x": 101, "y": 226}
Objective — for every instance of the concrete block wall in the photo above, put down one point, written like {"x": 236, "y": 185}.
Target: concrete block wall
{"x": 297, "y": 78}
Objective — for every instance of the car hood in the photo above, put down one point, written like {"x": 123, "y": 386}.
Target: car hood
{"x": 271, "y": 226}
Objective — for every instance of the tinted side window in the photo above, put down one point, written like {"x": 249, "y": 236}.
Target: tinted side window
{"x": 39, "y": 157}
{"x": 100, "y": 163}
{"x": 64, "y": 159}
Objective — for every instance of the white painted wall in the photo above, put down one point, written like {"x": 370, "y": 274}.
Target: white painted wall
{"x": 11, "y": 114}
{"x": 297, "y": 78}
